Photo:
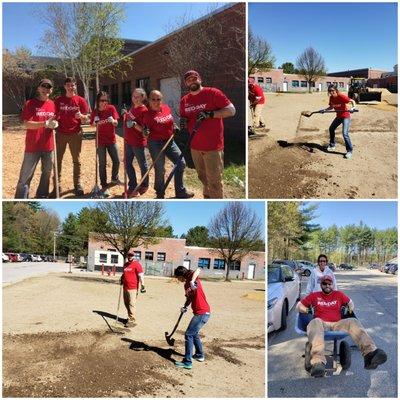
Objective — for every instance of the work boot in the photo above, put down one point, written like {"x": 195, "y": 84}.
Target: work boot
{"x": 317, "y": 370}
{"x": 185, "y": 195}
{"x": 374, "y": 358}
{"x": 79, "y": 191}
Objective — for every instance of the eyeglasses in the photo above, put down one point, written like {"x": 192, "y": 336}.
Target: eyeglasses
{"x": 46, "y": 85}
{"x": 155, "y": 99}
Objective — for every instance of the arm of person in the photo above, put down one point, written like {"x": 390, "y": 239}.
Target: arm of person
{"x": 301, "y": 308}
{"x": 141, "y": 278}
{"x": 34, "y": 124}
{"x": 195, "y": 275}
{"x": 228, "y": 111}
{"x": 351, "y": 305}
{"x": 353, "y": 104}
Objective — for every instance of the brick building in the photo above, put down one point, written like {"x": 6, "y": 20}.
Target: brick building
{"x": 275, "y": 80}
{"x": 163, "y": 257}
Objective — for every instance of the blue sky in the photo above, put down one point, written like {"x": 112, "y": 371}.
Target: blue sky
{"x": 375, "y": 214}
{"x": 347, "y": 35}
{"x": 144, "y": 21}
{"x": 182, "y": 215}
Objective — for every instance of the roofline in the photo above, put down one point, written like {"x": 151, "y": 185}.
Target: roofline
{"x": 215, "y": 12}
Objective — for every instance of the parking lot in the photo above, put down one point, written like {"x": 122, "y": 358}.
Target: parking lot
{"x": 375, "y": 297}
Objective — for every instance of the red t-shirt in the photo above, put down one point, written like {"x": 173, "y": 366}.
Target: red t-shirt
{"x": 106, "y": 130}
{"x": 326, "y": 306}
{"x": 339, "y": 103}
{"x": 199, "y": 301}
{"x": 160, "y": 123}
{"x": 134, "y": 137}
{"x": 131, "y": 274}
{"x": 67, "y": 107}
{"x": 210, "y": 135}
{"x": 40, "y": 139}
{"x": 256, "y": 91}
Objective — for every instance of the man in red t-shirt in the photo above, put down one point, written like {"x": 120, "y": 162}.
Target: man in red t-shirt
{"x": 195, "y": 296}
{"x": 210, "y": 106}
{"x": 327, "y": 306}
{"x": 72, "y": 110}
{"x": 257, "y": 101}
{"x": 131, "y": 276}
{"x": 38, "y": 116}
{"x": 339, "y": 102}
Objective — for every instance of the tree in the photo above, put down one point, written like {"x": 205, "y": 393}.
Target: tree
{"x": 259, "y": 54}
{"x": 130, "y": 224}
{"x": 69, "y": 242}
{"x": 288, "y": 68}
{"x": 311, "y": 65}
{"x": 165, "y": 231}
{"x": 235, "y": 232}
{"x": 197, "y": 236}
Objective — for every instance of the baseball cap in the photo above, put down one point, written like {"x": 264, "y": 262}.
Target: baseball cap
{"x": 327, "y": 278}
{"x": 44, "y": 81}
{"x": 190, "y": 73}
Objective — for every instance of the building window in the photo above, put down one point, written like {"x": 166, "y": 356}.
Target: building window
{"x": 149, "y": 255}
{"x": 137, "y": 255}
{"x": 204, "y": 263}
{"x": 114, "y": 258}
{"x": 103, "y": 257}
{"x": 143, "y": 83}
{"x": 104, "y": 88}
{"x": 219, "y": 263}
{"x": 161, "y": 256}
{"x": 295, "y": 83}
{"x": 303, "y": 84}
{"x": 268, "y": 80}
{"x": 234, "y": 266}
{"x": 126, "y": 92}
{"x": 260, "y": 79}
{"x": 341, "y": 84}
{"x": 114, "y": 94}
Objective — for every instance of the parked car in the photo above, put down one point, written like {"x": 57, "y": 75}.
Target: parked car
{"x": 291, "y": 263}
{"x": 306, "y": 267}
{"x": 12, "y": 257}
{"x": 283, "y": 292}
{"x": 19, "y": 257}
{"x": 4, "y": 258}
{"x": 387, "y": 267}
{"x": 332, "y": 266}
{"x": 346, "y": 266}
{"x": 373, "y": 266}
{"x": 393, "y": 269}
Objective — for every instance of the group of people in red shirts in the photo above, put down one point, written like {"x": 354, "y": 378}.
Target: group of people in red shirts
{"x": 148, "y": 123}
{"x": 133, "y": 277}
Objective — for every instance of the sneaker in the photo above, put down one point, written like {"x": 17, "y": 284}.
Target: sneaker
{"x": 331, "y": 148}
{"x": 185, "y": 195}
{"x": 374, "y": 358}
{"x": 79, "y": 191}
{"x": 348, "y": 155}
{"x": 183, "y": 364}
{"x": 116, "y": 181}
{"x": 104, "y": 191}
{"x": 143, "y": 190}
{"x": 198, "y": 357}
{"x": 317, "y": 370}
{"x": 130, "y": 324}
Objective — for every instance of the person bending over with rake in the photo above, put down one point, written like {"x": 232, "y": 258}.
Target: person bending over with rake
{"x": 130, "y": 278}
{"x": 38, "y": 116}
{"x": 158, "y": 125}
{"x": 105, "y": 116}
{"x": 339, "y": 102}
{"x": 195, "y": 296}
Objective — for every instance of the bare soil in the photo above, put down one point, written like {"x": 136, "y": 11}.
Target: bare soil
{"x": 290, "y": 161}
{"x": 57, "y": 344}
{"x": 13, "y": 153}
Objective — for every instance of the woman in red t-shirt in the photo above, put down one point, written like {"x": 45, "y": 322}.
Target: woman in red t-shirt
{"x": 105, "y": 116}
{"x": 38, "y": 116}
{"x": 339, "y": 102}
{"x": 158, "y": 125}
{"x": 135, "y": 142}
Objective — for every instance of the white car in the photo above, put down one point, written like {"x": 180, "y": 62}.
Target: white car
{"x": 283, "y": 293}
{"x": 5, "y": 258}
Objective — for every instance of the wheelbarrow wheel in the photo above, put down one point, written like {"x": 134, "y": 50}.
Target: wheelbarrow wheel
{"x": 307, "y": 357}
{"x": 345, "y": 354}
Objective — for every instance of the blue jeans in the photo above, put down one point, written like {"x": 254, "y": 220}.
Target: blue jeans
{"x": 113, "y": 152}
{"x": 28, "y": 167}
{"x": 345, "y": 130}
{"x": 192, "y": 337}
{"x": 131, "y": 153}
{"x": 173, "y": 153}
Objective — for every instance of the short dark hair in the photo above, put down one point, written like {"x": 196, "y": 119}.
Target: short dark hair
{"x": 69, "y": 79}
{"x": 322, "y": 255}
{"x": 332, "y": 86}
{"x": 181, "y": 271}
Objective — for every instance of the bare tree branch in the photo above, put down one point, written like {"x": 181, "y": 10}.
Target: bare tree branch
{"x": 311, "y": 65}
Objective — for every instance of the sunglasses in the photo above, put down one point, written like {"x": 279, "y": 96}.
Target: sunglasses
{"x": 46, "y": 86}
{"x": 155, "y": 99}
{"x": 326, "y": 284}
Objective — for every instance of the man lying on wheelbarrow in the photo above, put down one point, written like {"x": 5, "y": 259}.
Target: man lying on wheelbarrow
{"x": 327, "y": 306}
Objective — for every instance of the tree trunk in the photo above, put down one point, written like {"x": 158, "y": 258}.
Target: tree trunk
{"x": 227, "y": 270}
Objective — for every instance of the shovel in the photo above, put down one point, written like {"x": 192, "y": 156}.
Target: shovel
{"x": 169, "y": 338}
{"x": 309, "y": 113}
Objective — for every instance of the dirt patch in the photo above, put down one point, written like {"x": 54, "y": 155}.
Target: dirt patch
{"x": 54, "y": 345}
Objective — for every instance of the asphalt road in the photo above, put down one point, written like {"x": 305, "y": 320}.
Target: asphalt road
{"x": 16, "y": 272}
{"x": 375, "y": 297}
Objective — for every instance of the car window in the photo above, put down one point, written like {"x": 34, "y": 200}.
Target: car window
{"x": 287, "y": 272}
{"x": 273, "y": 275}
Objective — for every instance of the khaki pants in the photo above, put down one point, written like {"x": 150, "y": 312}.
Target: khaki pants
{"x": 315, "y": 332}
{"x": 209, "y": 166}
{"x": 74, "y": 142}
{"x": 130, "y": 297}
{"x": 257, "y": 117}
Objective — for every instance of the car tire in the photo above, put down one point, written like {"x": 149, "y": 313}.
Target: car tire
{"x": 307, "y": 273}
{"x": 307, "y": 357}
{"x": 345, "y": 354}
{"x": 284, "y": 313}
